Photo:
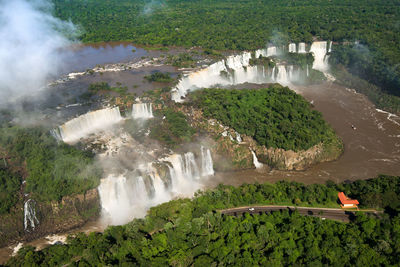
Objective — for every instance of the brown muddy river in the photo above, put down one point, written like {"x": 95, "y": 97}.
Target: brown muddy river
{"x": 372, "y": 148}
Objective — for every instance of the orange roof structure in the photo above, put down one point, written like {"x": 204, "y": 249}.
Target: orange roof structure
{"x": 346, "y": 200}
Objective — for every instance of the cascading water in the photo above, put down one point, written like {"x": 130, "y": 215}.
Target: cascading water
{"x": 302, "y": 48}
{"x": 319, "y": 49}
{"x": 159, "y": 189}
{"x": 292, "y": 48}
{"x": 30, "y": 219}
{"x": 142, "y": 111}
{"x": 282, "y": 76}
{"x": 273, "y": 74}
{"x": 260, "y": 52}
{"x": 237, "y": 70}
{"x": 206, "y": 162}
{"x": 191, "y": 168}
{"x": 123, "y": 198}
{"x": 239, "y": 61}
{"x": 271, "y": 51}
{"x": 86, "y": 124}
{"x": 130, "y": 195}
{"x": 238, "y": 137}
{"x": 203, "y": 78}
{"x": 256, "y": 163}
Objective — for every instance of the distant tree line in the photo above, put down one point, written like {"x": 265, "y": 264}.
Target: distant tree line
{"x": 241, "y": 25}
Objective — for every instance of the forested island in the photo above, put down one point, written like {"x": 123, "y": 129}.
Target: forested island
{"x": 275, "y": 117}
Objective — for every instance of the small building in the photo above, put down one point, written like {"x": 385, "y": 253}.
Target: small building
{"x": 347, "y": 202}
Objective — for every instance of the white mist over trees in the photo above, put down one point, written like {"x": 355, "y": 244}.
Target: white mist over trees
{"x": 31, "y": 42}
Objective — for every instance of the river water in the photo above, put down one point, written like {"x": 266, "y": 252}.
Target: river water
{"x": 83, "y": 57}
{"x": 372, "y": 148}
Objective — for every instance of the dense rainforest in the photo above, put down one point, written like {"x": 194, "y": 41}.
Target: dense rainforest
{"x": 35, "y": 164}
{"x": 187, "y": 232}
{"x": 275, "y": 117}
{"x": 251, "y": 24}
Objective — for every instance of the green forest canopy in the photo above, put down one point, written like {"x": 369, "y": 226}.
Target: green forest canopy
{"x": 53, "y": 170}
{"x": 187, "y": 232}
{"x": 251, "y": 24}
{"x": 275, "y": 116}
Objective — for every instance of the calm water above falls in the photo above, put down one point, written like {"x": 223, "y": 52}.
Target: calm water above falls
{"x": 83, "y": 57}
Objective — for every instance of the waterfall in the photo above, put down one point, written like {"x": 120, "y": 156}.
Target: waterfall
{"x": 86, "y": 124}
{"x": 142, "y": 111}
{"x": 238, "y": 137}
{"x": 271, "y": 51}
{"x": 123, "y": 198}
{"x": 273, "y": 74}
{"x": 291, "y": 73}
{"x": 292, "y": 48}
{"x": 235, "y": 69}
{"x": 260, "y": 52}
{"x": 319, "y": 49}
{"x": 191, "y": 169}
{"x": 30, "y": 215}
{"x": 203, "y": 78}
{"x": 129, "y": 195}
{"x": 330, "y": 47}
{"x": 282, "y": 76}
{"x": 256, "y": 163}
{"x": 237, "y": 62}
{"x": 302, "y": 48}
{"x": 206, "y": 162}
{"x": 160, "y": 190}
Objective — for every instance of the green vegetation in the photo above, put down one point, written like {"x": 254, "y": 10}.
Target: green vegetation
{"x": 187, "y": 232}
{"x": 159, "y": 77}
{"x": 370, "y": 65}
{"x": 213, "y": 53}
{"x": 383, "y": 192}
{"x": 381, "y": 99}
{"x": 53, "y": 170}
{"x": 262, "y": 61}
{"x": 244, "y": 24}
{"x": 182, "y": 60}
{"x": 95, "y": 88}
{"x": 234, "y": 25}
{"x": 299, "y": 59}
{"x": 275, "y": 117}
{"x": 9, "y": 187}
{"x": 172, "y": 129}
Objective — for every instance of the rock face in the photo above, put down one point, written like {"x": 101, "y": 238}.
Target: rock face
{"x": 71, "y": 212}
{"x": 233, "y": 153}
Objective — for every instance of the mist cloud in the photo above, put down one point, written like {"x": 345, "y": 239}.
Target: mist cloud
{"x": 152, "y": 6}
{"x": 30, "y": 46}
